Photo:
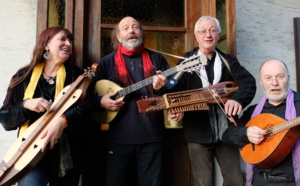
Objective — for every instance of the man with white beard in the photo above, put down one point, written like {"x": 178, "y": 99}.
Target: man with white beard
{"x": 281, "y": 101}
{"x": 135, "y": 140}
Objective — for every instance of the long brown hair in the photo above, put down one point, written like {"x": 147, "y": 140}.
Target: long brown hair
{"x": 38, "y": 51}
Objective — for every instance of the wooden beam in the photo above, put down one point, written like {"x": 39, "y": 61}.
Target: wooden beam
{"x": 94, "y": 33}
{"x": 296, "y": 21}
{"x": 78, "y": 33}
{"x": 231, "y": 27}
{"x": 192, "y": 14}
{"x": 69, "y": 15}
{"x": 42, "y": 16}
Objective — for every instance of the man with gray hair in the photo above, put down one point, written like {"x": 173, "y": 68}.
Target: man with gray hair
{"x": 281, "y": 101}
{"x": 203, "y": 129}
{"x": 135, "y": 149}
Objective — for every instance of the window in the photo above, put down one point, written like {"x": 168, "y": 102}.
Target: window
{"x": 168, "y": 25}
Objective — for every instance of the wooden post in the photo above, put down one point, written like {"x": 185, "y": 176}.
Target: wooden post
{"x": 297, "y": 49}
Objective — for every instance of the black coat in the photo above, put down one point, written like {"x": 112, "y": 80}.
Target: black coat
{"x": 196, "y": 124}
{"x": 13, "y": 115}
{"x": 130, "y": 126}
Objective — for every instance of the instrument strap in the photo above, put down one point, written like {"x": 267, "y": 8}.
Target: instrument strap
{"x": 172, "y": 55}
{"x": 212, "y": 92}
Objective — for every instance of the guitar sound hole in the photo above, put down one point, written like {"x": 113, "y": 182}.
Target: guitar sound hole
{"x": 269, "y": 135}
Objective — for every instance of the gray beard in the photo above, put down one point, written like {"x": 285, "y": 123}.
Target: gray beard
{"x": 131, "y": 46}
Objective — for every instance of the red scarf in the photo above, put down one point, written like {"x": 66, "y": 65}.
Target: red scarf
{"x": 121, "y": 70}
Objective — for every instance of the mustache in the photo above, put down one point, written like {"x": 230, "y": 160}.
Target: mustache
{"x": 133, "y": 37}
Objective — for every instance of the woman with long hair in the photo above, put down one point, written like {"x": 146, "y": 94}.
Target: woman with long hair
{"x": 30, "y": 94}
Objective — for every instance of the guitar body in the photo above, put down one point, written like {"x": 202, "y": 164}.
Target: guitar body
{"x": 275, "y": 147}
{"x": 12, "y": 169}
{"x": 102, "y": 88}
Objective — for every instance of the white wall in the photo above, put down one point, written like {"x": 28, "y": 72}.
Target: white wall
{"x": 17, "y": 39}
{"x": 265, "y": 30}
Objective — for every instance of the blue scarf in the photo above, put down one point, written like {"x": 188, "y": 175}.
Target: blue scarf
{"x": 290, "y": 113}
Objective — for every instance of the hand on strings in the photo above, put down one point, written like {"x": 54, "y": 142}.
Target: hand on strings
{"x": 255, "y": 134}
{"x": 178, "y": 116}
{"x": 37, "y": 104}
{"x": 110, "y": 104}
{"x": 159, "y": 80}
{"x": 52, "y": 132}
{"x": 233, "y": 108}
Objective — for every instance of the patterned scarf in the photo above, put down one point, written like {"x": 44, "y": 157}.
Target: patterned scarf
{"x": 290, "y": 113}
{"x": 34, "y": 79}
{"x": 121, "y": 70}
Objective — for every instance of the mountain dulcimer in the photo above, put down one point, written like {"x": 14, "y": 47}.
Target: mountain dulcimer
{"x": 25, "y": 153}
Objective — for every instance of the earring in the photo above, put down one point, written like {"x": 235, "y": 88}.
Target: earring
{"x": 46, "y": 55}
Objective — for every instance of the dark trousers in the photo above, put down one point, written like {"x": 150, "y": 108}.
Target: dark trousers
{"x": 129, "y": 165}
{"x": 46, "y": 173}
{"x": 202, "y": 160}
{"x": 260, "y": 180}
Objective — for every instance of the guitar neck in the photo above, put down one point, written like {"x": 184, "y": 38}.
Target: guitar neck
{"x": 143, "y": 83}
{"x": 286, "y": 125}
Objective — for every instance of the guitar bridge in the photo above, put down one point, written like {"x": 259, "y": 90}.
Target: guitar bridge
{"x": 253, "y": 146}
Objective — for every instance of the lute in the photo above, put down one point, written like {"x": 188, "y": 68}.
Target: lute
{"x": 104, "y": 87}
{"x": 281, "y": 137}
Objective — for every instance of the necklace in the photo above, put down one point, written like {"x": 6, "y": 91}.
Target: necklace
{"x": 50, "y": 80}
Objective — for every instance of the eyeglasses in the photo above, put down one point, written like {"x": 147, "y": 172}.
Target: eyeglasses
{"x": 269, "y": 79}
{"x": 204, "y": 31}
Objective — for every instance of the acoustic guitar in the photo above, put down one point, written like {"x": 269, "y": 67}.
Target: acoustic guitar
{"x": 280, "y": 139}
{"x": 25, "y": 152}
{"x": 104, "y": 87}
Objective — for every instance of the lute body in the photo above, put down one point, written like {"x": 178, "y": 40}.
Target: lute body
{"x": 281, "y": 137}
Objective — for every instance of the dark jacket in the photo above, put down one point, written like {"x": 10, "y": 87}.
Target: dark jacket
{"x": 237, "y": 135}
{"x": 196, "y": 124}
{"x": 13, "y": 115}
{"x": 129, "y": 126}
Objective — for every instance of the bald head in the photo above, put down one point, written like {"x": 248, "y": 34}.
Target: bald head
{"x": 129, "y": 33}
{"x": 274, "y": 79}
{"x": 128, "y": 21}
{"x": 267, "y": 64}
